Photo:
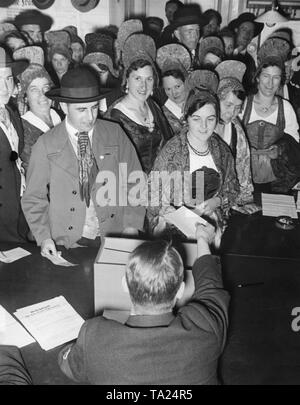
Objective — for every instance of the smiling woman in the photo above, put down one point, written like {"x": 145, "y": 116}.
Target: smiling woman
{"x": 272, "y": 130}
{"x": 40, "y": 117}
{"x": 140, "y": 117}
{"x": 196, "y": 150}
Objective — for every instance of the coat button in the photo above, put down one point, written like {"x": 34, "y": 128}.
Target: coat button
{"x": 261, "y": 123}
{"x": 112, "y": 215}
{"x": 74, "y": 192}
{"x": 70, "y": 228}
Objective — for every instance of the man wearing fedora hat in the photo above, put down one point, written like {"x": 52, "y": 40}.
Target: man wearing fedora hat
{"x": 245, "y": 29}
{"x": 70, "y": 167}
{"x": 186, "y": 29}
{"x": 13, "y": 227}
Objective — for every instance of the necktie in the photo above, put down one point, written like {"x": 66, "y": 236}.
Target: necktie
{"x": 87, "y": 167}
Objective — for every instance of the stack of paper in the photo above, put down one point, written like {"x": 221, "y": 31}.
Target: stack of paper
{"x": 298, "y": 202}
{"x": 12, "y": 255}
{"x": 185, "y": 220}
{"x": 11, "y": 332}
{"x": 51, "y": 322}
{"x": 275, "y": 205}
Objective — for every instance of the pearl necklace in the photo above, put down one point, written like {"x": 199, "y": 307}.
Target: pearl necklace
{"x": 197, "y": 152}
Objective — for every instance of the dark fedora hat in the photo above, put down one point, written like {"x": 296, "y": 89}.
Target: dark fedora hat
{"x": 33, "y": 16}
{"x": 187, "y": 15}
{"x": 78, "y": 85}
{"x": 17, "y": 67}
{"x": 247, "y": 17}
{"x": 43, "y": 4}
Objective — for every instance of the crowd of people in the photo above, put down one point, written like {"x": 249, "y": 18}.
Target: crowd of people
{"x": 186, "y": 98}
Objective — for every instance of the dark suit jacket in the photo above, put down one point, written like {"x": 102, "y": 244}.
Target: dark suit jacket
{"x": 13, "y": 227}
{"x": 12, "y": 368}
{"x": 157, "y": 349}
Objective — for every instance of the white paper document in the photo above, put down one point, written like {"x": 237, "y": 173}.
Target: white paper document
{"x": 185, "y": 220}
{"x": 52, "y": 322}
{"x": 298, "y": 201}
{"x": 58, "y": 260}
{"x": 10, "y": 256}
{"x": 12, "y": 332}
{"x": 275, "y": 205}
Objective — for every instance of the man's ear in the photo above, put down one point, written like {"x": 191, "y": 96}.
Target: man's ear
{"x": 124, "y": 285}
{"x": 177, "y": 35}
{"x": 180, "y": 291}
{"x": 64, "y": 107}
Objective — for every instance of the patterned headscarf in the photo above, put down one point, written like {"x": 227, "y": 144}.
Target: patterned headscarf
{"x": 227, "y": 85}
{"x": 33, "y": 71}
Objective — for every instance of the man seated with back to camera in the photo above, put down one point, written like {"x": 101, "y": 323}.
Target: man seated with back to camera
{"x": 157, "y": 345}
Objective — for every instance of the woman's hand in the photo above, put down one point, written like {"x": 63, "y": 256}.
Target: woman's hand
{"x": 209, "y": 206}
{"x": 162, "y": 223}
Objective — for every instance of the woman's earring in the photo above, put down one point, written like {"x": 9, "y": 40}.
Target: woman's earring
{"x": 126, "y": 89}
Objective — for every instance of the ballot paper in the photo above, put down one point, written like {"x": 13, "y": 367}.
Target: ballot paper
{"x": 12, "y": 332}
{"x": 275, "y": 205}
{"x": 10, "y": 256}
{"x": 185, "y": 220}
{"x": 58, "y": 260}
{"x": 52, "y": 323}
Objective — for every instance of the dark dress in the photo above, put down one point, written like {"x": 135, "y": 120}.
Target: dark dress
{"x": 278, "y": 173}
{"x": 147, "y": 143}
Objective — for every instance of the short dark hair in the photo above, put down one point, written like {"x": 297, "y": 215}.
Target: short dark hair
{"x": 154, "y": 274}
{"x": 176, "y": 73}
{"x": 138, "y": 64}
{"x": 210, "y": 14}
{"x": 197, "y": 100}
{"x": 178, "y": 3}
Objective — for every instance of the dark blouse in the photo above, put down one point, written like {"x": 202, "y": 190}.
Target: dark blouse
{"x": 147, "y": 143}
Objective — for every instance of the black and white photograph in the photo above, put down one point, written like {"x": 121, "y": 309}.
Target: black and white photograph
{"x": 149, "y": 195}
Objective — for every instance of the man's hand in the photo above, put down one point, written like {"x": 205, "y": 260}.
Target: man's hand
{"x": 209, "y": 206}
{"x": 48, "y": 248}
{"x": 205, "y": 235}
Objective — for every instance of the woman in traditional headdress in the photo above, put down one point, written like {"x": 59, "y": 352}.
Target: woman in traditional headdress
{"x": 174, "y": 62}
{"x": 271, "y": 126}
{"x": 139, "y": 115}
{"x": 198, "y": 151}
{"x": 231, "y": 94}
{"x": 40, "y": 117}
